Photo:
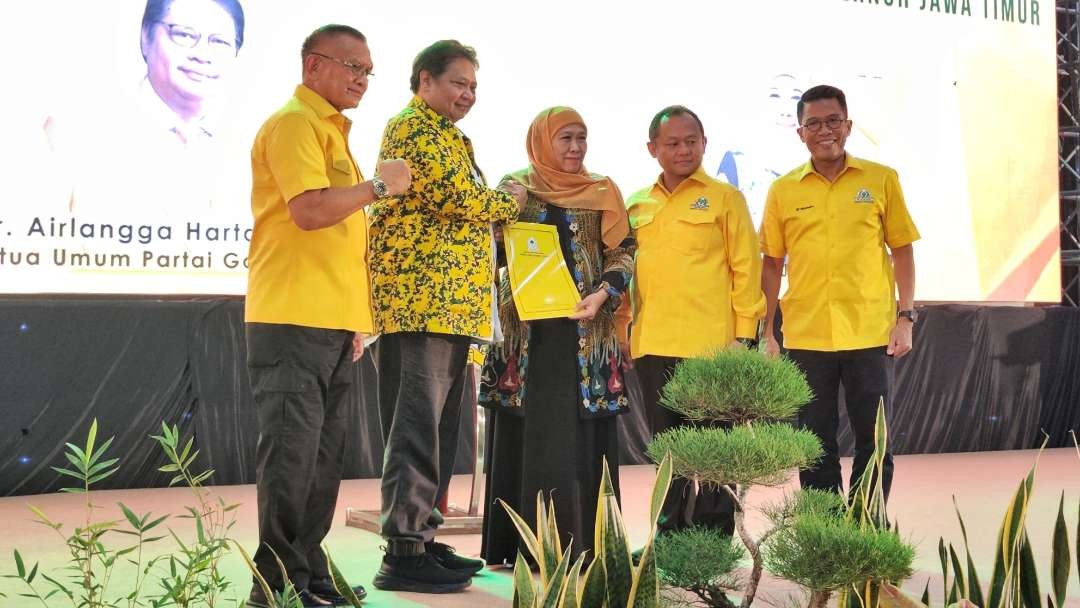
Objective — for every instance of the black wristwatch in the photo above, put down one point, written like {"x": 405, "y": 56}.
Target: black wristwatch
{"x": 749, "y": 343}
{"x": 911, "y": 315}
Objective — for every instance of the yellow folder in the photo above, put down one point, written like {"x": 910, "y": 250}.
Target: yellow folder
{"x": 541, "y": 283}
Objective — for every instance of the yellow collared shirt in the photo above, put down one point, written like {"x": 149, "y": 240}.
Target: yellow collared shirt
{"x": 697, "y": 283}
{"x": 315, "y": 278}
{"x": 841, "y": 290}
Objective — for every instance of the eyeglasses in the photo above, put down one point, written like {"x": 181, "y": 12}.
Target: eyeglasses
{"x": 188, "y": 37}
{"x": 833, "y": 122}
{"x": 358, "y": 70}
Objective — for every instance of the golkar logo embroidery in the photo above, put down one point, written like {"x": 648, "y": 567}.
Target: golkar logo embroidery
{"x": 864, "y": 196}
{"x": 700, "y": 204}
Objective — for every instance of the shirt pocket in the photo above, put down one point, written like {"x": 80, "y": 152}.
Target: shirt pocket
{"x": 341, "y": 171}
{"x": 693, "y": 231}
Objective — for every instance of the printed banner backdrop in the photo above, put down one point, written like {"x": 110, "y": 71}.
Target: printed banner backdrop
{"x": 125, "y": 158}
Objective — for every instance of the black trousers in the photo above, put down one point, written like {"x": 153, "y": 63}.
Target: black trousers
{"x": 684, "y": 507}
{"x": 422, "y": 379}
{"x": 301, "y": 378}
{"x": 864, "y": 376}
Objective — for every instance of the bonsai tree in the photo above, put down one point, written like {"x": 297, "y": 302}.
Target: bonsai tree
{"x": 753, "y": 396}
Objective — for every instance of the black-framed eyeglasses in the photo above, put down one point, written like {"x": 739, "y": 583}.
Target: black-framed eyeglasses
{"x": 358, "y": 70}
{"x": 833, "y": 122}
{"x": 187, "y": 37}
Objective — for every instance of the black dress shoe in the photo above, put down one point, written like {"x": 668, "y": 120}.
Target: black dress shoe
{"x": 419, "y": 574}
{"x": 324, "y": 588}
{"x": 448, "y": 558}
{"x": 257, "y": 599}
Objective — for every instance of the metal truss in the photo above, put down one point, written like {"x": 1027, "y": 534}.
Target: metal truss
{"x": 1068, "y": 58}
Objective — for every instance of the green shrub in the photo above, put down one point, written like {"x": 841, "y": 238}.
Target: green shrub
{"x": 736, "y": 385}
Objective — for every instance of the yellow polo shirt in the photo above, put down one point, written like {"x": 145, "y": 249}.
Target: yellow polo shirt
{"x": 841, "y": 290}
{"x": 315, "y": 278}
{"x": 697, "y": 276}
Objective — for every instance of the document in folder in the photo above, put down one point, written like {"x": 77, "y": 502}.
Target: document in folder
{"x": 541, "y": 282}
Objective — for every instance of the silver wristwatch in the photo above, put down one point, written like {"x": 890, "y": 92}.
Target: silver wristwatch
{"x": 379, "y": 186}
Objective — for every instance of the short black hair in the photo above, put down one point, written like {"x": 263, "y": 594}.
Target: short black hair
{"x": 669, "y": 113}
{"x": 328, "y": 31}
{"x": 156, "y": 9}
{"x": 821, "y": 91}
{"x": 436, "y": 58}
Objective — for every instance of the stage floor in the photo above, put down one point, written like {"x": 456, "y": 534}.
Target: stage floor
{"x": 921, "y": 501}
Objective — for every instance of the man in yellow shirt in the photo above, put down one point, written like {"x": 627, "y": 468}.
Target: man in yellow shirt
{"x": 696, "y": 287}
{"x": 432, "y": 275}
{"x": 833, "y": 219}
{"x": 308, "y": 300}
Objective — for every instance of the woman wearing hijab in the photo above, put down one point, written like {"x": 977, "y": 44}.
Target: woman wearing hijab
{"x": 553, "y": 387}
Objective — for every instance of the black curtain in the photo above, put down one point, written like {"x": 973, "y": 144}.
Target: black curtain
{"x": 981, "y": 378}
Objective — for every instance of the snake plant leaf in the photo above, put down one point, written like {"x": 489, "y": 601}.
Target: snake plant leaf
{"x": 342, "y": 585}
{"x": 556, "y": 586}
{"x": 548, "y": 558}
{"x": 614, "y": 550}
{"x": 526, "y": 534}
{"x": 1030, "y": 592}
{"x": 570, "y": 595}
{"x": 547, "y": 532}
{"x": 524, "y": 592}
{"x": 594, "y": 589}
{"x": 1061, "y": 558}
{"x": 958, "y": 574}
{"x": 975, "y": 593}
{"x": 660, "y": 488}
{"x": 1008, "y": 544}
{"x": 267, "y": 593}
{"x": 645, "y": 591}
{"x": 943, "y": 556}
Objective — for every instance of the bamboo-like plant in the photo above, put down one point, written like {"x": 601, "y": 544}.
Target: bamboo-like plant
{"x": 193, "y": 576}
{"x": 187, "y": 578}
{"x": 753, "y": 393}
{"x": 91, "y": 560}
{"x": 611, "y": 580}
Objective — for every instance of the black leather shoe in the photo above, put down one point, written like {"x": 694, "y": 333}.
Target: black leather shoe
{"x": 447, "y": 556}
{"x": 419, "y": 574}
{"x": 257, "y": 599}
{"x": 324, "y": 588}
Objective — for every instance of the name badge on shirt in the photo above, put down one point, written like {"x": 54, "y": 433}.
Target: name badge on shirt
{"x": 701, "y": 204}
{"x": 864, "y": 196}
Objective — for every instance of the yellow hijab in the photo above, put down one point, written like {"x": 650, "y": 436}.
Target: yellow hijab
{"x": 546, "y": 179}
